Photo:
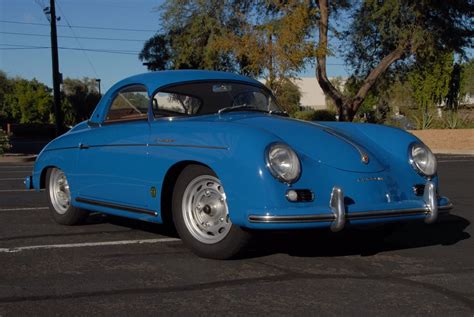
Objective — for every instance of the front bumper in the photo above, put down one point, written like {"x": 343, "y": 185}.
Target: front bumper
{"x": 339, "y": 214}
{"x": 28, "y": 182}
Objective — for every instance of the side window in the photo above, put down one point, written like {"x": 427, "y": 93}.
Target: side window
{"x": 175, "y": 103}
{"x": 131, "y": 103}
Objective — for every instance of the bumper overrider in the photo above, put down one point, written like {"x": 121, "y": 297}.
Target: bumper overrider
{"x": 339, "y": 216}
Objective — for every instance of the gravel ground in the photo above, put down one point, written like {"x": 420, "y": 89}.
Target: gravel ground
{"x": 448, "y": 141}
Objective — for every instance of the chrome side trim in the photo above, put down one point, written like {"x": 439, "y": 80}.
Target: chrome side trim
{"x": 116, "y": 206}
{"x": 192, "y": 146}
{"x": 162, "y": 144}
{"x": 364, "y": 157}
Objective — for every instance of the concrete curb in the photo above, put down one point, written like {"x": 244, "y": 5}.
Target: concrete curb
{"x": 9, "y": 158}
{"x": 453, "y": 152}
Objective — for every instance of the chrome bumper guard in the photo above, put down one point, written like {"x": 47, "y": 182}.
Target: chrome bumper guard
{"x": 28, "y": 182}
{"x": 339, "y": 216}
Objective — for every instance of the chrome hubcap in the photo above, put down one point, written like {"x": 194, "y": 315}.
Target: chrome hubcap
{"x": 205, "y": 210}
{"x": 59, "y": 191}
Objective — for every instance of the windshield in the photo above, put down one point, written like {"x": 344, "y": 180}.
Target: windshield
{"x": 212, "y": 97}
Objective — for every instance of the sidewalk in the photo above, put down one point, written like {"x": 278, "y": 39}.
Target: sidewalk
{"x": 446, "y": 141}
{"x": 17, "y": 158}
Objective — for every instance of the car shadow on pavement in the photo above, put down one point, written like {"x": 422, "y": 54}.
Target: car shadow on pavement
{"x": 364, "y": 241}
{"x": 161, "y": 229}
{"x": 449, "y": 230}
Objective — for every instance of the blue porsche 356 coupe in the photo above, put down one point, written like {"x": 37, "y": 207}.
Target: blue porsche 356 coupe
{"x": 213, "y": 153}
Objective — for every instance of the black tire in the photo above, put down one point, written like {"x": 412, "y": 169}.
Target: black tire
{"x": 71, "y": 215}
{"x": 233, "y": 242}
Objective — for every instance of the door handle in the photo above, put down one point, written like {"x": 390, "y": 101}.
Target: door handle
{"x": 83, "y": 146}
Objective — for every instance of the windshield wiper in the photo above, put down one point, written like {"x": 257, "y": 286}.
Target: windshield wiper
{"x": 239, "y": 108}
{"x": 247, "y": 108}
{"x": 279, "y": 113}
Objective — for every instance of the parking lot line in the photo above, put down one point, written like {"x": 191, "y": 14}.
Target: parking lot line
{"x": 85, "y": 244}
{"x": 24, "y": 208}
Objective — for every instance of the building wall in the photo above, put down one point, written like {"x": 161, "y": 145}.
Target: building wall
{"x": 311, "y": 93}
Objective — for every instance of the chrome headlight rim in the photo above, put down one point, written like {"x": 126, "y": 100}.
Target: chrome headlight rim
{"x": 415, "y": 165}
{"x": 270, "y": 167}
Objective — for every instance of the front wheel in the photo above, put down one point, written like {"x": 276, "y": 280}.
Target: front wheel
{"x": 201, "y": 216}
{"x": 59, "y": 199}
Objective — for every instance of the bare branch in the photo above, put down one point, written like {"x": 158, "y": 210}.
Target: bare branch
{"x": 373, "y": 76}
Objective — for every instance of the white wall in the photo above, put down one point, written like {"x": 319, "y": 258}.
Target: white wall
{"x": 311, "y": 93}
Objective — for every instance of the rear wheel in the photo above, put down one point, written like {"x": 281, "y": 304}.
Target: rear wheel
{"x": 201, "y": 216}
{"x": 59, "y": 199}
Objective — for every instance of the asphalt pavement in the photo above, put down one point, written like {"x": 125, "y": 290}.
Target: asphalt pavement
{"x": 114, "y": 266}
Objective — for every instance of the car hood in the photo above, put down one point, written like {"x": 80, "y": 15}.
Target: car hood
{"x": 321, "y": 143}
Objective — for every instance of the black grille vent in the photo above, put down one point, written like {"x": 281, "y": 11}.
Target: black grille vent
{"x": 305, "y": 195}
{"x": 419, "y": 189}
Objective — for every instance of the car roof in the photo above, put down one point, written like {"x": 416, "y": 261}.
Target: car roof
{"x": 155, "y": 80}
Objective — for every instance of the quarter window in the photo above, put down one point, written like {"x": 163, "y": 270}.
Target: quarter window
{"x": 131, "y": 103}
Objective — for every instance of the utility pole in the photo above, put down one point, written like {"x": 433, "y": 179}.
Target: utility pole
{"x": 56, "y": 75}
{"x": 98, "y": 82}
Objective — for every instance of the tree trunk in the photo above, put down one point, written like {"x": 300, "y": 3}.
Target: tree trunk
{"x": 327, "y": 87}
{"x": 346, "y": 108}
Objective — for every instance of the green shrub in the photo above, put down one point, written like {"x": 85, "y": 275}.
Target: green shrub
{"x": 4, "y": 142}
{"x": 453, "y": 120}
{"x": 315, "y": 115}
{"x": 424, "y": 119}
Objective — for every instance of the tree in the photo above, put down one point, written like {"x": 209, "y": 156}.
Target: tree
{"x": 5, "y": 90}
{"x": 288, "y": 95}
{"x": 80, "y": 98}
{"x": 430, "y": 81}
{"x": 259, "y": 38}
{"x": 4, "y": 142}
{"x": 189, "y": 35}
{"x": 29, "y": 101}
{"x": 383, "y": 33}
{"x": 467, "y": 79}
{"x": 275, "y": 41}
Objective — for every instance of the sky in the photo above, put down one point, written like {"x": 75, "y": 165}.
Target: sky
{"x": 80, "y": 21}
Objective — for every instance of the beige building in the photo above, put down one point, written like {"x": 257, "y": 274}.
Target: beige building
{"x": 312, "y": 96}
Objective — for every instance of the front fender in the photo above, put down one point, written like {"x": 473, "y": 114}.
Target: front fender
{"x": 61, "y": 153}
{"x": 236, "y": 156}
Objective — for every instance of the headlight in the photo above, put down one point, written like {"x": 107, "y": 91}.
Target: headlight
{"x": 422, "y": 159}
{"x": 283, "y": 162}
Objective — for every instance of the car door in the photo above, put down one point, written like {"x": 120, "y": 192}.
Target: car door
{"x": 112, "y": 160}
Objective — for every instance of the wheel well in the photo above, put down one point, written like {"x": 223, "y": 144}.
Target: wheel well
{"x": 168, "y": 187}
{"x": 43, "y": 176}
